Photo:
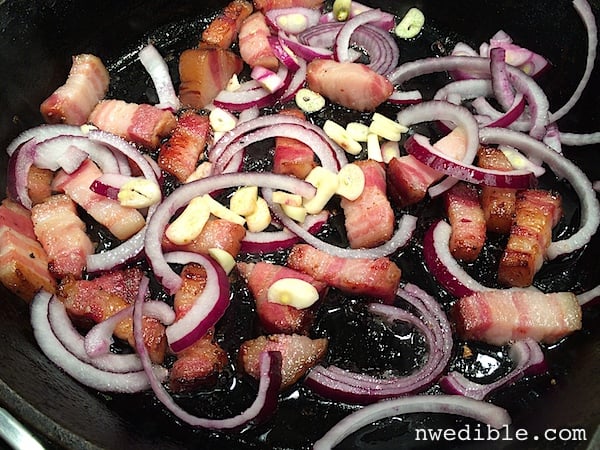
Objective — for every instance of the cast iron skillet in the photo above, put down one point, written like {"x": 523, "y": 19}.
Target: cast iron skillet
{"x": 37, "y": 40}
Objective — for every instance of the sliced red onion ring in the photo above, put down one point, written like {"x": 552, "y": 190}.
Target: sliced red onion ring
{"x": 339, "y": 384}
{"x": 378, "y": 44}
{"x": 536, "y": 98}
{"x": 501, "y": 85}
{"x": 584, "y": 10}
{"x": 306, "y": 52}
{"x": 508, "y": 119}
{"x": 98, "y": 340}
{"x": 157, "y": 224}
{"x": 332, "y": 156}
{"x": 263, "y": 406}
{"x": 405, "y": 97}
{"x": 443, "y": 266}
{"x": 563, "y": 168}
{"x": 65, "y": 152}
{"x": 449, "y": 404}
{"x": 158, "y": 70}
{"x": 297, "y": 81}
{"x": 19, "y": 164}
{"x": 527, "y": 358}
{"x": 118, "y": 256}
{"x": 401, "y": 237}
{"x": 578, "y": 139}
{"x": 43, "y": 132}
{"x": 82, "y": 370}
{"x": 444, "y": 111}
{"x": 283, "y": 54}
{"x": 207, "y": 309}
{"x": 588, "y": 296}
{"x": 272, "y": 241}
{"x": 420, "y": 147}
{"x": 109, "y": 184}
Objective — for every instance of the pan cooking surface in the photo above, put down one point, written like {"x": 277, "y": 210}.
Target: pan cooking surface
{"x": 66, "y": 412}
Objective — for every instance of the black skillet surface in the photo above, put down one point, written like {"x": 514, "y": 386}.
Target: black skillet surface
{"x": 37, "y": 41}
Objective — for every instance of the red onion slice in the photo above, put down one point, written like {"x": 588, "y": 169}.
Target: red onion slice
{"x": 584, "y": 10}
{"x": 81, "y": 369}
{"x": 98, "y": 340}
{"x": 339, "y": 384}
{"x": 306, "y": 52}
{"x": 43, "y": 132}
{"x": 157, "y": 224}
{"x": 527, "y": 358}
{"x": 563, "y": 168}
{"x": 443, "y": 266}
{"x": 387, "y": 21}
{"x": 264, "y": 404}
{"x": 484, "y": 412}
{"x": 19, "y": 164}
{"x": 420, "y": 147}
{"x": 207, "y": 309}
{"x": 158, "y": 70}
{"x": 501, "y": 86}
{"x": 272, "y": 241}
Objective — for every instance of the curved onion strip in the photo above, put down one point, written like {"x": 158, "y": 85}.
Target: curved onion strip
{"x": 208, "y": 307}
{"x": 527, "y": 358}
{"x": 419, "y": 146}
{"x": 584, "y": 10}
{"x": 399, "y": 239}
{"x": 312, "y": 139}
{"x": 588, "y": 296}
{"x": 444, "y": 111}
{"x": 563, "y": 168}
{"x": 19, "y": 164}
{"x": 228, "y": 138}
{"x": 98, "y": 340}
{"x": 450, "y": 404}
{"x": 500, "y": 82}
{"x": 158, "y": 70}
{"x": 443, "y": 266}
{"x": 263, "y": 405}
{"x": 578, "y": 139}
{"x": 132, "y": 247}
{"x": 297, "y": 81}
{"x": 536, "y": 98}
{"x": 270, "y": 241}
{"x": 43, "y": 132}
{"x": 182, "y": 196}
{"x": 81, "y": 370}
{"x": 508, "y": 119}
{"x": 381, "y": 47}
{"x": 333, "y": 382}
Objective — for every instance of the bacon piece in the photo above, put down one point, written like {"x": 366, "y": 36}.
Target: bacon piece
{"x": 377, "y": 278}
{"x": 180, "y": 153}
{"x": 409, "y": 179}
{"x": 291, "y": 156}
{"x": 223, "y": 30}
{"x": 369, "y": 219}
{"x": 63, "y": 235}
{"x": 274, "y": 317}
{"x": 121, "y": 221}
{"x": 467, "y": 220}
{"x": 536, "y": 213}
{"x": 92, "y": 301}
{"x": 498, "y": 203}
{"x": 253, "y": 40}
{"x": 39, "y": 184}
{"x": 73, "y": 102}
{"x": 23, "y": 261}
{"x": 501, "y": 316}
{"x": 142, "y": 124}
{"x": 298, "y": 354}
{"x": 204, "y": 72}
{"x": 352, "y": 85}
{"x": 200, "y": 363}
{"x": 217, "y": 233}
{"x": 266, "y": 5}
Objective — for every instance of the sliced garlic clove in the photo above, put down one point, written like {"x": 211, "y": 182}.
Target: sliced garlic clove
{"x": 293, "y": 292}
{"x": 351, "y": 181}
{"x": 223, "y": 257}
{"x": 260, "y": 218}
{"x": 190, "y": 223}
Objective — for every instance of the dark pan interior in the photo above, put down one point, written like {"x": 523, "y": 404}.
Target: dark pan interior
{"x": 37, "y": 40}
